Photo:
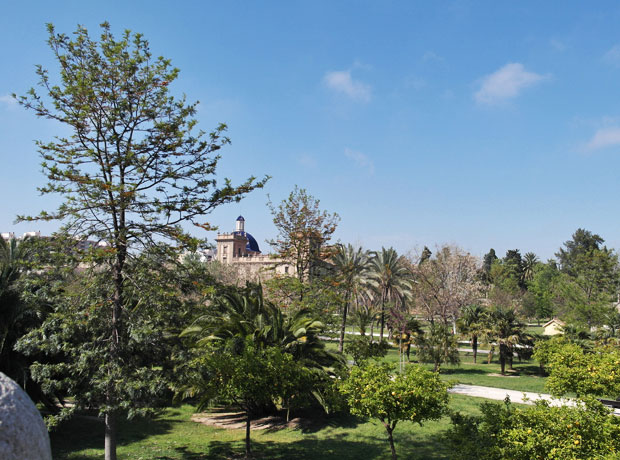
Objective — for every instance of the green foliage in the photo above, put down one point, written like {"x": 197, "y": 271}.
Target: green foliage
{"x": 374, "y": 391}
{"x": 539, "y": 302}
{"x": 536, "y": 432}
{"x": 351, "y": 267}
{"x": 487, "y": 262}
{"x": 303, "y": 229}
{"x": 16, "y": 316}
{"x": 545, "y": 349}
{"x": 71, "y": 345}
{"x": 131, "y": 170}
{"x": 249, "y": 379}
{"x": 473, "y": 323}
{"x": 363, "y": 348}
{"x": 390, "y": 278}
{"x": 589, "y": 280}
{"x": 575, "y": 370}
{"x": 509, "y": 332}
{"x": 438, "y": 346}
{"x": 240, "y": 317}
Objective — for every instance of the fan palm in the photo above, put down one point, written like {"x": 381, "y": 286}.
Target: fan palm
{"x": 509, "y": 332}
{"x": 351, "y": 266}
{"x": 243, "y": 314}
{"x": 390, "y": 277}
{"x": 529, "y": 263}
{"x": 473, "y": 323}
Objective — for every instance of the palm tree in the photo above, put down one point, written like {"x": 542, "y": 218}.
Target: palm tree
{"x": 351, "y": 266}
{"x": 390, "y": 277}
{"x": 508, "y": 331}
{"x": 473, "y": 323}
{"x": 243, "y": 314}
{"x": 529, "y": 263}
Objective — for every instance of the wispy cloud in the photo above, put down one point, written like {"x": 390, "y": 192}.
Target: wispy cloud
{"x": 506, "y": 83}
{"x": 603, "y": 138}
{"x": 8, "y": 100}
{"x": 557, "y": 44}
{"x": 307, "y": 161}
{"x": 360, "y": 160}
{"x": 612, "y": 56}
{"x": 342, "y": 82}
{"x": 431, "y": 56}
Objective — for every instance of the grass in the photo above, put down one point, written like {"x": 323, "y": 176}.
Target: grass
{"x": 526, "y": 375}
{"x": 173, "y": 436}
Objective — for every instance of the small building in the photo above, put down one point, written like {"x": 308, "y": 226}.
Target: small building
{"x": 554, "y": 327}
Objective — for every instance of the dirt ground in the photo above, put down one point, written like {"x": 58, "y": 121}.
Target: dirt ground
{"x": 236, "y": 421}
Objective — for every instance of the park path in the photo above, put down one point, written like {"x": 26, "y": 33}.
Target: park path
{"x": 521, "y": 397}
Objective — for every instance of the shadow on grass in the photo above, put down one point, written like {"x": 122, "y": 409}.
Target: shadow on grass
{"x": 87, "y": 432}
{"x": 335, "y": 448}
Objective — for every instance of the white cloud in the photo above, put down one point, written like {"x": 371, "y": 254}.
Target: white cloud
{"x": 361, "y": 160}
{"x": 604, "y": 137}
{"x": 341, "y": 81}
{"x": 612, "y": 56}
{"x": 307, "y": 161}
{"x": 506, "y": 83}
{"x": 430, "y": 56}
{"x": 8, "y": 100}
{"x": 557, "y": 44}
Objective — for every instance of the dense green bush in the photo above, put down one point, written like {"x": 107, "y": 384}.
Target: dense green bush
{"x": 536, "y": 432}
{"x": 363, "y": 348}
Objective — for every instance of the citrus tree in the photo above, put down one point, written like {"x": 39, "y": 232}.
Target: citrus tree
{"x": 376, "y": 391}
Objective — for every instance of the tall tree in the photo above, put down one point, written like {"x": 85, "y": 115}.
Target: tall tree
{"x": 303, "y": 230}
{"x": 130, "y": 172}
{"x": 487, "y": 263}
{"x": 583, "y": 242}
{"x": 590, "y": 278}
{"x": 351, "y": 266}
{"x": 390, "y": 277}
{"x": 447, "y": 283}
{"x": 529, "y": 264}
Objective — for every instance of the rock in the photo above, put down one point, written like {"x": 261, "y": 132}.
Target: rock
{"x": 23, "y": 435}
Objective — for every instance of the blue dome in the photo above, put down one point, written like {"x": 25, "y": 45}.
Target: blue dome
{"x": 241, "y": 218}
{"x": 252, "y": 244}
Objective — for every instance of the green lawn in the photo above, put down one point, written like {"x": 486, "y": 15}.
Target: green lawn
{"x": 526, "y": 375}
{"x": 173, "y": 436}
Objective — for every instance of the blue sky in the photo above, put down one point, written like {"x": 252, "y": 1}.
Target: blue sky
{"x": 482, "y": 124}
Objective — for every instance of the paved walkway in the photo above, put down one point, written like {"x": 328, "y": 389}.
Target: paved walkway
{"x": 521, "y": 397}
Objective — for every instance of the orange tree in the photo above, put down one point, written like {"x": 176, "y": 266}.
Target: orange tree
{"x": 376, "y": 391}
{"x": 536, "y": 432}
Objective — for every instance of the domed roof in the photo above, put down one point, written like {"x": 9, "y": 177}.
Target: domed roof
{"x": 252, "y": 243}
{"x": 241, "y": 218}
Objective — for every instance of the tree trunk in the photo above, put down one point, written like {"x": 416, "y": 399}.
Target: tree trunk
{"x": 502, "y": 358}
{"x": 110, "y": 436}
{"x": 115, "y": 345}
{"x": 382, "y": 318}
{"x": 248, "y": 450}
{"x": 391, "y": 439}
{"x": 474, "y": 345}
{"x": 372, "y": 330}
{"x": 344, "y": 323}
{"x": 490, "y": 355}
